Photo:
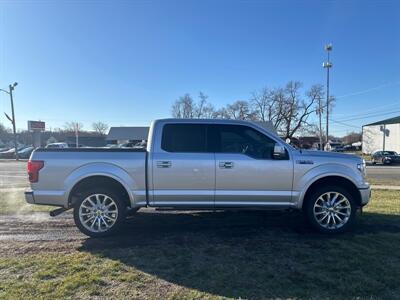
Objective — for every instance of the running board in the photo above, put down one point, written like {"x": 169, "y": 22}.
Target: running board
{"x": 58, "y": 211}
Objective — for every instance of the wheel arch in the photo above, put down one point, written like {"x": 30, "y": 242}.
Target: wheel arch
{"x": 332, "y": 180}
{"x": 98, "y": 180}
{"x": 105, "y": 172}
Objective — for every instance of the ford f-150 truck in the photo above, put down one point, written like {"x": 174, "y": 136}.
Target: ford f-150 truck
{"x": 199, "y": 164}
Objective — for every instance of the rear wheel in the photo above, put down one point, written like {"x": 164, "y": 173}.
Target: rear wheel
{"x": 387, "y": 162}
{"x": 99, "y": 212}
{"x": 330, "y": 209}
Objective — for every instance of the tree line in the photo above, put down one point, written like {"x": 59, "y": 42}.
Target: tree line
{"x": 69, "y": 128}
{"x": 288, "y": 108}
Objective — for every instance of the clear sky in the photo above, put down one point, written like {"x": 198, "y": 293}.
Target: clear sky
{"x": 125, "y": 62}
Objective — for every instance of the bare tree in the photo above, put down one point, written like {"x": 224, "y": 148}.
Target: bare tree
{"x": 73, "y": 126}
{"x": 239, "y": 110}
{"x": 186, "y": 107}
{"x": 296, "y": 110}
{"x": 317, "y": 92}
{"x": 288, "y": 108}
{"x": 204, "y": 109}
{"x": 263, "y": 104}
{"x": 100, "y": 127}
{"x": 267, "y": 105}
{"x": 352, "y": 137}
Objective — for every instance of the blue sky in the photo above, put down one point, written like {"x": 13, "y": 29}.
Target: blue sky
{"x": 125, "y": 62}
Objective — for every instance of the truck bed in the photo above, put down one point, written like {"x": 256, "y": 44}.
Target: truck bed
{"x": 63, "y": 168}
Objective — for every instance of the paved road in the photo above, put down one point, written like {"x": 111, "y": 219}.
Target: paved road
{"x": 13, "y": 174}
{"x": 384, "y": 172}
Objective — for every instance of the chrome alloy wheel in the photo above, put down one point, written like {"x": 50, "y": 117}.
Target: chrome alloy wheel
{"x": 332, "y": 210}
{"x": 98, "y": 213}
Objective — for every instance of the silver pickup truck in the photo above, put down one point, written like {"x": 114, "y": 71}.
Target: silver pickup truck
{"x": 199, "y": 164}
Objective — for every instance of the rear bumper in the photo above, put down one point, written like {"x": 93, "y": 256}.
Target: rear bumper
{"x": 53, "y": 198}
{"x": 365, "y": 195}
{"x": 29, "y": 197}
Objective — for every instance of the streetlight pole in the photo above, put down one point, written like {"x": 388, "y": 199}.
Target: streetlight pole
{"x": 11, "y": 88}
{"x": 327, "y": 65}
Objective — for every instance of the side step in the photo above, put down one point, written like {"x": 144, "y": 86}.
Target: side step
{"x": 58, "y": 211}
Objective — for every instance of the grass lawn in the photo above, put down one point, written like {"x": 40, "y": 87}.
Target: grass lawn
{"x": 250, "y": 255}
{"x": 383, "y": 181}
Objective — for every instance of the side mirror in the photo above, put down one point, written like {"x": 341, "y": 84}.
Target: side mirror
{"x": 279, "y": 152}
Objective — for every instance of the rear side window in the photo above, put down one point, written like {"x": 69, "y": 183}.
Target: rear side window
{"x": 184, "y": 138}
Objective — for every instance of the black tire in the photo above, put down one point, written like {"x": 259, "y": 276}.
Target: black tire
{"x": 313, "y": 198}
{"x": 387, "y": 162}
{"x": 120, "y": 207}
{"x": 131, "y": 211}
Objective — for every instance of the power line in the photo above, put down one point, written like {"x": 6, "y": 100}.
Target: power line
{"x": 344, "y": 124}
{"x": 370, "y": 116}
{"x": 369, "y": 90}
{"x": 372, "y": 110}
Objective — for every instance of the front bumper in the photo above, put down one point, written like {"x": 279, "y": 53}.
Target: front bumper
{"x": 365, "y": 195}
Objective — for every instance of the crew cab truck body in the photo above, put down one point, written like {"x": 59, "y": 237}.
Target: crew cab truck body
{"x": 199, "y": 164}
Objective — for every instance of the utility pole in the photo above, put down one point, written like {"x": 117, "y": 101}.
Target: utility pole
{"x": 327, "y": 65}
{"x": 320, "y": 112}
{"x": 77, "y": 134}
{"x": 11, "y": 88}
{"x": 384, "y": 137}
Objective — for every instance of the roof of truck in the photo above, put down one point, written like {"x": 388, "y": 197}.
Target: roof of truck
{"x": 266, "y": 124}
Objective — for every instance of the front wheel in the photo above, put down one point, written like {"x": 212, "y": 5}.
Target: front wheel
{"x": 99, "y": 212}
{"x": 330, "y": 209}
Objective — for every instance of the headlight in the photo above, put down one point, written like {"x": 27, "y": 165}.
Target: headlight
{"x": 362, "y": 168}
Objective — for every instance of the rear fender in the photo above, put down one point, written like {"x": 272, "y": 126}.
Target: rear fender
{"x": 101, "y": 169}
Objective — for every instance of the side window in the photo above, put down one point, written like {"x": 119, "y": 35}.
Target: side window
{"x": 184, "y": 138}
{"x": 243, "y": 139}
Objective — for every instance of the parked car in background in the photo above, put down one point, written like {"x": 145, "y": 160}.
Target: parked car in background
{"x": 26, "y": 152}
{"x": 111, "y": 146}
{"x": 338, "y": 149}
{"x": 73, "y": 145}
{"x": 23, "y": 152}
{"x": 134, "y": 145}
{"x": 385, "y": 157}
{"x": 57, "y": 145}
{"x": 127, "y": 145}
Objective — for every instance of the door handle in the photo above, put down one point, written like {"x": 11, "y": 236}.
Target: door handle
{"x": 226, "y": 164}
{"x": 164, "y": 164}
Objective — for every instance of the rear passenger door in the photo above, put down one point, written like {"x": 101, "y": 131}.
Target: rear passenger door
{"x": 183, "y": 168}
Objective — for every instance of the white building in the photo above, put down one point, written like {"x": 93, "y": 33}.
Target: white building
{"x": 382, "y": 135}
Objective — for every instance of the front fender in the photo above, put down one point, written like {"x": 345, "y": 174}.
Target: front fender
{"x": 304, "y": 181}
{"x": 101, "y": 169}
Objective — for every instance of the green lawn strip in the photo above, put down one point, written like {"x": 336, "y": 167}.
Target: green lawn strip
{"x": 383, "y": 181}
{"x": 259, "y": 263}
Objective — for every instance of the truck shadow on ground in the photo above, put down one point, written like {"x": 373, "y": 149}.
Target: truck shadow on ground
{"x": 250, "y": 254}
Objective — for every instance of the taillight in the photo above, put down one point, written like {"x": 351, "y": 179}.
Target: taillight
{"x": 33, "y": 169}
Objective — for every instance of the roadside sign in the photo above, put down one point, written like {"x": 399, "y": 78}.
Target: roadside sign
{"x": 36, "y": 126}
